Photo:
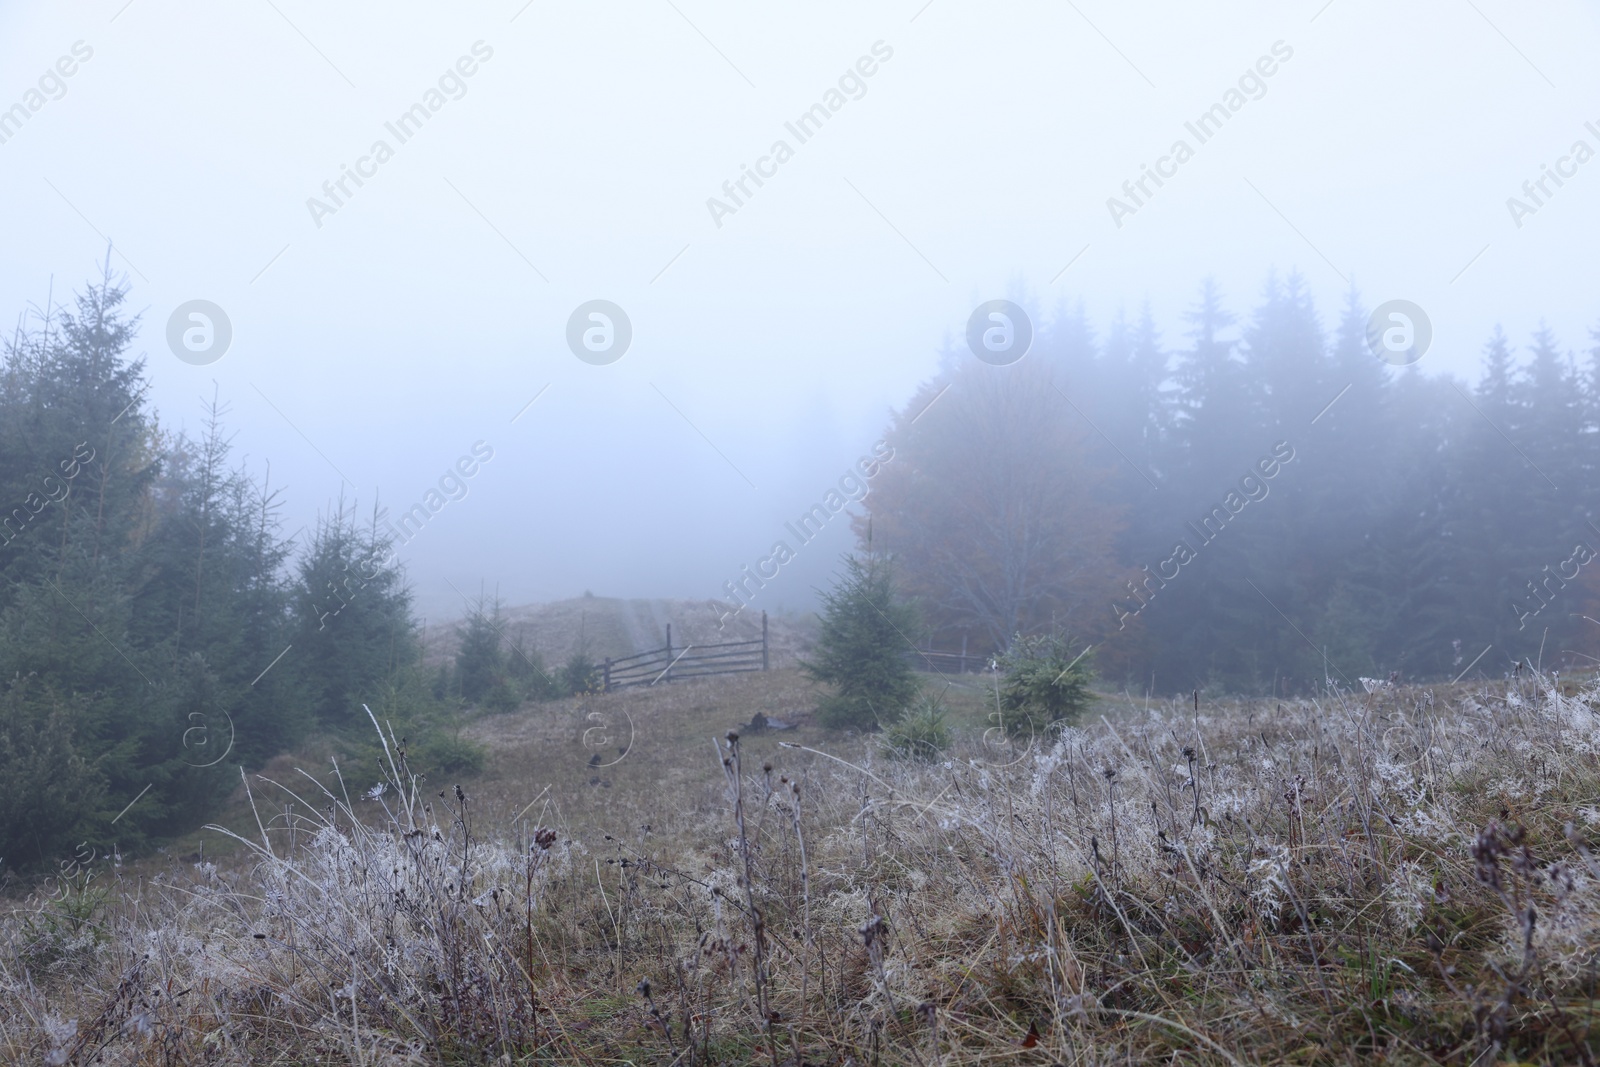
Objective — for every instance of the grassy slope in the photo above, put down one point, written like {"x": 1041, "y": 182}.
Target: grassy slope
{"x": 1322, "y": 882}
{"x": 655, "y": 747}
{"x": 654, "y": 744}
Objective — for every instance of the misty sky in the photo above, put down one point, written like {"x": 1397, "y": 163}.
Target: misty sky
{"x": 375, "y": 343}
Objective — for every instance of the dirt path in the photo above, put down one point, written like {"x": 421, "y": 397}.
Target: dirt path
{"x": 645, "y": 623}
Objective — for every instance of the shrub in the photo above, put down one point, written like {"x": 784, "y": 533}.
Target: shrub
{"x": 48, "y": 790}
{"x": 921, "y": 734}
{"x": 1043, "y": 683}
{"x": 580, "y": 675}
{"x": 480, "y": 659}
{"x": 529, "y": 674}
{"x": 430, "y": 734}
{"x": 448, "y": 754}
{"x": 502, "y": 697}
{"x": 67, "y": 927}
{"x": 866, "y": 630}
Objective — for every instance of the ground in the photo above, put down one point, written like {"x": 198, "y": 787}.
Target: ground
{"x": 604, "y": 763}
{"x": 1406, "y": 875}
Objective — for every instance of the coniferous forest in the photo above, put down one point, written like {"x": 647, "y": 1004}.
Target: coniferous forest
{"x": 148, "y": 593}
{"x": 1259, "y": 506}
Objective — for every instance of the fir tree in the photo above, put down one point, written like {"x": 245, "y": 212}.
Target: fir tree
{"x": 867, "y": 631}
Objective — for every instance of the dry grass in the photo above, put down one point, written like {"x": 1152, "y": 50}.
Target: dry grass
{"x": 1407, "y": 875}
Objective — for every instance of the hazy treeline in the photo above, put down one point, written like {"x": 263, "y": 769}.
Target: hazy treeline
{"x": 1199, "y": 511}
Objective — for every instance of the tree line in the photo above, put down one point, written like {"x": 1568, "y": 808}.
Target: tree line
{"x": 159, "y": 629}
{"x": 1263, "y": 507}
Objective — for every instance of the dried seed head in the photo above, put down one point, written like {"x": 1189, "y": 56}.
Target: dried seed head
{"x": 1486, "y": 851}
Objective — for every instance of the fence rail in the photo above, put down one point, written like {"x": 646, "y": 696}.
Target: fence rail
{"x": 947, "y": 662}
{"x": 668, "y": 664}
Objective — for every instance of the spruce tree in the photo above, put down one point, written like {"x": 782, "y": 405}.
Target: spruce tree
{"x": 353, "y": 622}
{"x": 862, "y": 652}
{"x": 480, "y": 657}
{"x": 1495, "y": 504}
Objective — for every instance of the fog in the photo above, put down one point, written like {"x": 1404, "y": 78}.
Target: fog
{"x": 381, "y": 331}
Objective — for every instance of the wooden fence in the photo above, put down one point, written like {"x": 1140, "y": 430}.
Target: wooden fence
{"x": 947, "y": 662}
{"x": 670, "y": 664}
{"x": 926, "y": 659}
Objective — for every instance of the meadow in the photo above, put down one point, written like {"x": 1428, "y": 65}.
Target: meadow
{"x": 1405, "y": 875}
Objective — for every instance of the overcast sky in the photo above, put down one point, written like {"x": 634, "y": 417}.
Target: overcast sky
{"x": 378, "y": 336}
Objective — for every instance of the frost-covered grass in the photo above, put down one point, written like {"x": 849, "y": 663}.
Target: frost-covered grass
{"x": 1409, "y": 874}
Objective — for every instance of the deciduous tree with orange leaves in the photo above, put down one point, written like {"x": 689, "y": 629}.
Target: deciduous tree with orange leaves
{"x": 995, "y": 510}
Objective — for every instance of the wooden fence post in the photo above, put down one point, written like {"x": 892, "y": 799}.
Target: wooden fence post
{"x": 668, "y": 672}
{"x": 763, "y": 640}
